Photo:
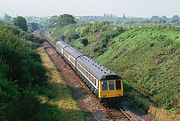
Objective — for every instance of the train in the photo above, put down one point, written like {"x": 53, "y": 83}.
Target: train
{"x": 101, "y": 80}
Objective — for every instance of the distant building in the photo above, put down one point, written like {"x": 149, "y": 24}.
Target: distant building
{"x": 124, "y": 16}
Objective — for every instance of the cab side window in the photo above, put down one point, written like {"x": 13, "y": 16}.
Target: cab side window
{"x": 118, "y": 85}
{"x": 104, "y": 86}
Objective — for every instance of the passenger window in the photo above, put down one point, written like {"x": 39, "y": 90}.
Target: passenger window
{"x": 118, "y": 85}
{"x": 104, "y": 86}
{"x": 111, "y": 85}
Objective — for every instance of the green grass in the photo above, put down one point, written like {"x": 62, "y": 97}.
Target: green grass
{"x": 77, "y": 44}
{"x": 148, "y": 58}
{"x": 55, "y": 98}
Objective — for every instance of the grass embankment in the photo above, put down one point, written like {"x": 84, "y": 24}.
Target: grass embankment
{"x": 148, "y": 58}
{"x": 164, "y": 115}
{"x": 58, "y": 105}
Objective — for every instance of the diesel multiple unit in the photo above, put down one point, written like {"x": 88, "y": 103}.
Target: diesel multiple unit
{"x": 103, "y": 82}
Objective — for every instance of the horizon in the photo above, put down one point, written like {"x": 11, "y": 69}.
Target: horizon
{"x": 136, "y": 8}
{"x": 90, "y": 16}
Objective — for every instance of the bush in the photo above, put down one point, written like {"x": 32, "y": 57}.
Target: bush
{"x": 67, "y": 33}
{"x": 84, "y": 41}
{"x": 24, "y": 109}
{"x": 9, "y": 94}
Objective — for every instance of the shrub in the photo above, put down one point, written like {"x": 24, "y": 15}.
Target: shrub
{"x": 84, "y": 41}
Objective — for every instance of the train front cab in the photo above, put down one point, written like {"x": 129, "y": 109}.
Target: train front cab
{"x": 110, "y": 88}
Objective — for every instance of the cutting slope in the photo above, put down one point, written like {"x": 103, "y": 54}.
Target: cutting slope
{"x": 149, "y": 59}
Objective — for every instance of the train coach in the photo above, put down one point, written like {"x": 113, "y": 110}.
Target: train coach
{"x": 102, "y": 81}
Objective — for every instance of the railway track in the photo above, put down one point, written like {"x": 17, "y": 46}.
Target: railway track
{"x": 115, "y": 113}
{"x": 118, "y": 114}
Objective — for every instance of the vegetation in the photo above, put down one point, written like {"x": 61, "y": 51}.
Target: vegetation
{"x": 65, "y": 19}
{"x": 34, "y": 26}
{"x": 100, "y": 33}
{"x": 147, "y": 57}
{"x": 67, "y": 33}
{"x": 51, "y": 22}
{"x": 21, "y": 23}
{"x": 163, "y": 115}
{"x": 26, "y": 92}
{"x": 7, "y": 18}
{"x": 124, "y": 20}
{"x": 57, "y": 102}
{"x": 84, "y": 41}
{"x": 20, "y": 71}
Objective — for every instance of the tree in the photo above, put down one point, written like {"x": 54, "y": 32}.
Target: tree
{"x": 84, "y": 41}
{"x": 34, "y": 26}
{"x": 175, "y": 19}
{"x": 65, "y": 19}
{"x": 21, "y": 23}
{"x": 51, "y": 22}
{"x": 70, "y": 33}
{"x": 164, "y": 19}
{"x": 156, "y": 19}
{"x": 7, "y": 17}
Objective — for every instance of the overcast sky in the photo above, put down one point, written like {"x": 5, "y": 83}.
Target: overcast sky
{"x": 143, "y": 8}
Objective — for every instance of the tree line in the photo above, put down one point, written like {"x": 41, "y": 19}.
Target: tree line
{"x": 22, "y": 23}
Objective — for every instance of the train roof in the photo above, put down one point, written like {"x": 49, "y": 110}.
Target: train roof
{"x": 62, "y": 44}
{"x": 75, "y": 53}
{"x": 99, "y": 71}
